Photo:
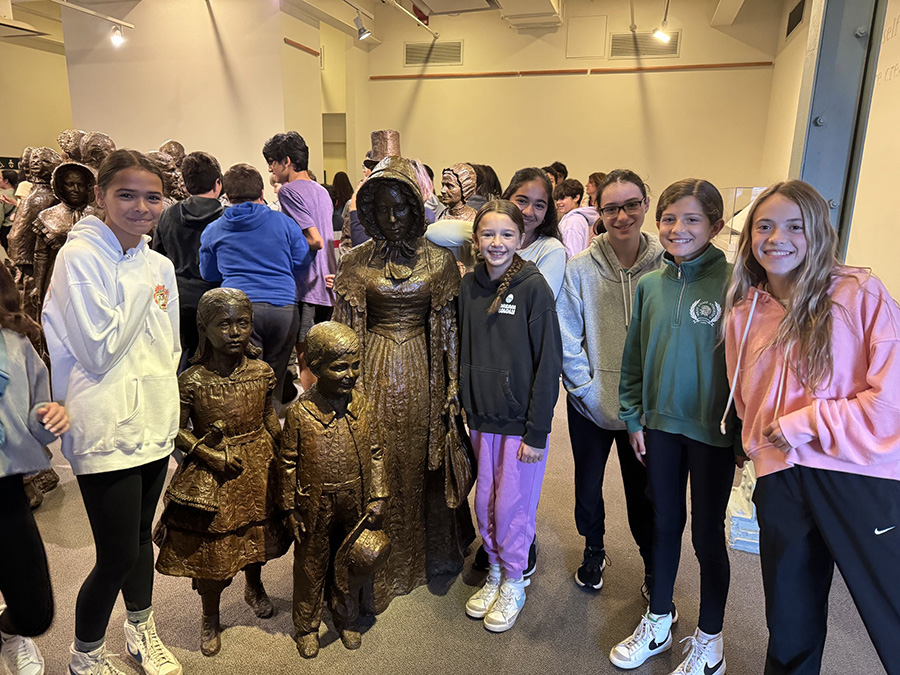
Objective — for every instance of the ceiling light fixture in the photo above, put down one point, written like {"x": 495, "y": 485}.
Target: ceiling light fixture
{"x": 361, "y": 31}
{"x": 660, "y": 33}
{"x": 116, "y": 37}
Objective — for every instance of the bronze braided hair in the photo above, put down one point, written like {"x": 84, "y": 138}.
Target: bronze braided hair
{"x": 506, "y": 208}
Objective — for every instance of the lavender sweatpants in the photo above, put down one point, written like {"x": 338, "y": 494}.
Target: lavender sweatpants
{"x": 506, "y": 499}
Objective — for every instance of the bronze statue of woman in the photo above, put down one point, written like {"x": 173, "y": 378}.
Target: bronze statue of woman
{"x": 397, "y": 292}
{"x": 221, "y": 514}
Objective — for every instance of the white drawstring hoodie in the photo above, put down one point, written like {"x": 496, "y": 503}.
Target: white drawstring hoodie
{"x": 111, "y": 323}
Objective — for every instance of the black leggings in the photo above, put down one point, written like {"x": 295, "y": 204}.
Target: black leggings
{"x": 120, "y": 506}
{"x": 24, "y": 579}
{"x": 670, "y": 459}
{"x": 590, "y": 448}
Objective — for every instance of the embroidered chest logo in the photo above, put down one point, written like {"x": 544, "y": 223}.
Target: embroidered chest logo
{"x": 507, "y": 307}
{"x": 161, "y": 297}
{"x": 706, "y": 311}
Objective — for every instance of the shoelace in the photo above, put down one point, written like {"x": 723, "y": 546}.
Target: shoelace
{"x": 489, "y": 588}
{"x": 156, "y": 650}
{"x": 506, "y": 602}
{"x": 640, "y": 635}
{"x": 24, "y": 653}
{"x": 697, "y": 656}
{"x": 105, "y": 664}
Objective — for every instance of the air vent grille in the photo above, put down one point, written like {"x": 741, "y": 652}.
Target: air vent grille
{"x": 446, "y": 53}
{"x": 643, "y": 45}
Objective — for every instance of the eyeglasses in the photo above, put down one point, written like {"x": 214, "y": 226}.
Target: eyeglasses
{"x": 631, "y": 208}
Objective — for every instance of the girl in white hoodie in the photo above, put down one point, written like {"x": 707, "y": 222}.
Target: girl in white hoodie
{"x": 111, "y": 323}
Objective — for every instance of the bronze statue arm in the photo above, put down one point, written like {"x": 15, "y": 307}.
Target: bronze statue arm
{"x": 270, "y": 417}
{"x": 287, "y": 461}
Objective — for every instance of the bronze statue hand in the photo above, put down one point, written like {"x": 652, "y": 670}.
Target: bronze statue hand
{"x": 375, "y": 514}
{"x": 297, "y": 526}
{"x": 221, "y": 462}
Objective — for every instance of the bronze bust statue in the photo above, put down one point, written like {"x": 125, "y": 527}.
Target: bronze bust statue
{"x": 69, "y": 141}
{"x": 175, "y": 150}
{"x": 173, "y": 183}
{"x": 396, "y": 291}
{"x": 457, "y": 185}
{"x": 333, "y": 481}
{"x": 221, "y": 509}
{"x": 95, "y": 147}
{"x": 73, "y": 184}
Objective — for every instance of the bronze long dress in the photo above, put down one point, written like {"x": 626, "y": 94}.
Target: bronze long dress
{"x": 247, "y": 526}
{"x": 406, "y": 321}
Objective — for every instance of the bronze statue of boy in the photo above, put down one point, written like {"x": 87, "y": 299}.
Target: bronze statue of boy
{"x": 332, "y": 466}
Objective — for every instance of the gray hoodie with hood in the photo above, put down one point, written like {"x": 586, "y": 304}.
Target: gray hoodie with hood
{"x": 594, "y": 311}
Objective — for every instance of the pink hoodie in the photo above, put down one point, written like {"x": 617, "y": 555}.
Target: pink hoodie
{"x": 853, "y": 423}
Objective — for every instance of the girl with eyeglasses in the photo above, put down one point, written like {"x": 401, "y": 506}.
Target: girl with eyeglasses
{"x": 594, "y": 312}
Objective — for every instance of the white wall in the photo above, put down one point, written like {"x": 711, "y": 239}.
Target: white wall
{"x": 664, "y": 125}
{"x": 785, "y": 97}
{"x": 873, "y": 240}
{"x": 208, "y": 74}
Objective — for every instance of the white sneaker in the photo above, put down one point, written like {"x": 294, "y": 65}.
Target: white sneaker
{"x": 144, "y": 646}
{"x": 704, "y": 657}
{"x": 510, "y": 601}
{"x": 20, "y": 656}
{"x": 97, "y": 662}
{"x": 651, "y": 637}
{"x": 480, "y": 603}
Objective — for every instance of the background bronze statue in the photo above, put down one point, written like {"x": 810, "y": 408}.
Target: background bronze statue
{"x": 69, "y": 141}
{"x": 73, "y": 185}
{"x": 175, "y": 150}
{"x": 221, "y": 514}
{"x": 333, "y": 485}
{"x": 41, "y": 164}
{"x": 457, "y": 185}
{"x": 95, "y": 147}
{"x": 396, "y": 292}
{"x": 173, "y": 183}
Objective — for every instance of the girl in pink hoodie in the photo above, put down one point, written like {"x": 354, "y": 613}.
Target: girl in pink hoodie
{"x": 813, "y": 354}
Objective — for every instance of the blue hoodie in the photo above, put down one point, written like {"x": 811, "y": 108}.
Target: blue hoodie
{"x": 256, "y": 250}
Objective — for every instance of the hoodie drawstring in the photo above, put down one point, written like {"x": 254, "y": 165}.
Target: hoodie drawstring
{"x": 737, "y": 368}
{"x": 625, "y": 299}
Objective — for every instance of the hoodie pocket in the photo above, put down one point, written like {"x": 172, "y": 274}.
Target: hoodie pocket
{"x": 154, "y": 413}
{"x": 489, "y": 392}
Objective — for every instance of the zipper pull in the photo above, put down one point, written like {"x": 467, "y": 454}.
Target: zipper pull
{"x": 679, "y": 271}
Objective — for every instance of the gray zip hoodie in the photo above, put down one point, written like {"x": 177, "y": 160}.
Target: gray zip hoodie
{"x": 594, "y": 311}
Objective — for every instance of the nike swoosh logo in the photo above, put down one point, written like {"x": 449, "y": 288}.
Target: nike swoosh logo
{"x": 654, "y": 644}
{"x": 712, "y": 670}
{"x": 887, "y": 529}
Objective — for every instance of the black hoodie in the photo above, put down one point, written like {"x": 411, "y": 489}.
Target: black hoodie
{"x": 178, "y": 238}
{"x": 510, "y": 362}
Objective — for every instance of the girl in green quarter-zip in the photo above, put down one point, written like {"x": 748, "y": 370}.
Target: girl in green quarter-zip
{"x": 673, "y": 383}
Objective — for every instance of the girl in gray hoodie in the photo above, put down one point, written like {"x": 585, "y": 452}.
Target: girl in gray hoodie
{"x": 594, "y": 310}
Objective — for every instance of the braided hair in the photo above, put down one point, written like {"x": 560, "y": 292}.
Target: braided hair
{"x": 506, "y": 208}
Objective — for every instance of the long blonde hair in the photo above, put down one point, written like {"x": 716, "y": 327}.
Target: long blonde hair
{"x": 806, "y": 329}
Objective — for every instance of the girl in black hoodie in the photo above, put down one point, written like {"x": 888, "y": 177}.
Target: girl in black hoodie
{"x": 511, "y": 360}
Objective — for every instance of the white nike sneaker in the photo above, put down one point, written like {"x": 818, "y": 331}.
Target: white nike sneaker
{"x": 97, "y": 662}
{"x": 20, "y": 656}
{"x": 482, "y": 601}
{"x": 704, "y": 657}
{"x": 143, "y": 644}
{"x": 651, "y": 637}
{"x": 509, "y": 604}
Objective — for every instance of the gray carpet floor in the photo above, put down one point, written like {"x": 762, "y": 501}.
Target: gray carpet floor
{"x": 562, "y": 629}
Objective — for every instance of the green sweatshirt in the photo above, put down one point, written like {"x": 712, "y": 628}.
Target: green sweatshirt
{"x": 673, "y": 366}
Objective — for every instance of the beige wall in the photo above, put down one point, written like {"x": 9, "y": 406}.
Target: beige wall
{"x": 874, "y": 223}
{"x": 787, "y": 78}
{"x": 664, "y": 125}
{"x": 183, "y": 73}
{"x": 35, "y": 98}
{"x": 302, "y": 85}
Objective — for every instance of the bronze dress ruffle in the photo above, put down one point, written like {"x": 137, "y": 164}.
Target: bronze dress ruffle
{"x": 405, "y": 317}
{"x": 247, "y": 527}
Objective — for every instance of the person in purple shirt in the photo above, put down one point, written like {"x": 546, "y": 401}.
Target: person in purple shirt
{"x": 261, "y": 252}
{"x": 309, "y": 204}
